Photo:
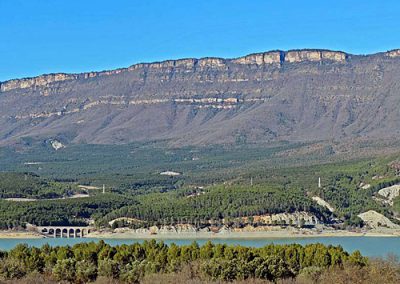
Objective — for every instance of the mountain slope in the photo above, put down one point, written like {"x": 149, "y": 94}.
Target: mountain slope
{"x": 299, "y": 95}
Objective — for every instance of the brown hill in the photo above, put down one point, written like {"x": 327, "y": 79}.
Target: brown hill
{"x": 298, "y": 95}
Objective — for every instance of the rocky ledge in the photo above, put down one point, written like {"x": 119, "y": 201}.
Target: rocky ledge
{"x": 276, "y": 58}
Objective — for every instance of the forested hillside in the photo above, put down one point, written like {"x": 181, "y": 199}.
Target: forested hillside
{"x": 27, "y": 185}
{"x": 219, "y": 188}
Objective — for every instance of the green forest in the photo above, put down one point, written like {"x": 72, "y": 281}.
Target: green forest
{"x": 85, "y": 262}
{"x": 28, "y": 185}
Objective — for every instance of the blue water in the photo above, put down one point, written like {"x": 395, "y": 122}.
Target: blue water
{"x": 369, "y": 246}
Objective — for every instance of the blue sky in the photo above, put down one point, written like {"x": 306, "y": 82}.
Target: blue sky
{"x": 39, "y": 36}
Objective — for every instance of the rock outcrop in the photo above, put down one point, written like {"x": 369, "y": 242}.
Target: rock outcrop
{"x": 323, "y": 203}
{"x": 390, "y": 193}
{"x": 211, "y": 62}
{"x": 393, "y": 53}
{"x": 376, "y": 220}
{"x": 57, "y": 145}
{"x": 272, "y": 57}
{"x": 315, "y": 56}
{"x": 39, "y": 81}
{"x": 288, "y": 218}
{"x": 292, "y": 56}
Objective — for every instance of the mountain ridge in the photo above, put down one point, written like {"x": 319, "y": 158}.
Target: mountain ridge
{"x": 299, "y": 95}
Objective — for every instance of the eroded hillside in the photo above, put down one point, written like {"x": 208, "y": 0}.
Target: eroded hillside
{"x": 299, "y": 95}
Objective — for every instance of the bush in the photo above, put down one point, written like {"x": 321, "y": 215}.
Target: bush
{"x": 65, "y": 269}
{"x": 85, "y": 271}
{"x": 108, "y": 268}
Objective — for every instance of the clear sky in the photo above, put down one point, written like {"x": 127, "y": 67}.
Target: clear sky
{"x": 45, "y": 36}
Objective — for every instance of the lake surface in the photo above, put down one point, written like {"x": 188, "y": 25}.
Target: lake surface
{"x": 369, "y": 246}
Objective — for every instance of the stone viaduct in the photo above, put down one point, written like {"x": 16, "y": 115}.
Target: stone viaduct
{"x": 64, "y": 232}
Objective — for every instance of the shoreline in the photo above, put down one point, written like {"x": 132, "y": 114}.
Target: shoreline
{"x": 273, "y": 234}
{"x": 277, "y": 234}
{"x": 20, "y": 235}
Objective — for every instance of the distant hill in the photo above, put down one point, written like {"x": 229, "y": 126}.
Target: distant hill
{"x": 297, "y": 95}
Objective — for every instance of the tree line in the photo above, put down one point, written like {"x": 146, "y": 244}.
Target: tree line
{"x": 85, "y": 262}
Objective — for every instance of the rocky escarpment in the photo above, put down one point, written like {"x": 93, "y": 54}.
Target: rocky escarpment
{"x": 296, "y": 95}
{"x": 272, "y": 57}
{"x": 45, "y": 80}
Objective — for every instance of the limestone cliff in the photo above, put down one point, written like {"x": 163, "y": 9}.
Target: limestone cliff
{"x": 271, "y": 57}
{"x": 393, "y": 53}
{"x": 35, "y": 82}
{"x": 314, "y": 55}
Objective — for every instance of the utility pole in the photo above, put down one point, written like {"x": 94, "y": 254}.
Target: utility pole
{"x": 319, "y": 182}
{"x": 104, "y": 189}
{"x": 251, "y": 181}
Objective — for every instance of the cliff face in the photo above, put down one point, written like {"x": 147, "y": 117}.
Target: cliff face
{"x": 297, "y": 95}
{"x": 35, "y": 82}
{"x": 272, "y": 57}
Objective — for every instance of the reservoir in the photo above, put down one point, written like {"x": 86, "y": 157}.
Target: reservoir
{"x": 368, "y": 246}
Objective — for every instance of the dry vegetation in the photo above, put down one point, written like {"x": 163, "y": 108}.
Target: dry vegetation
{"x": 377, "y": 271}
